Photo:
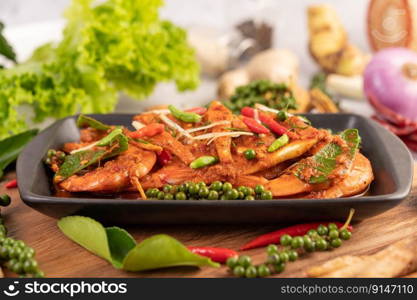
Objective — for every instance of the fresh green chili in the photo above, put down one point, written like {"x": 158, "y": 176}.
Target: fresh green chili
{"x": 188, "y": 117}
{"x": 278, "y": 143}
{"x": 84, "y": 121}
{"x": 203, "y": 161}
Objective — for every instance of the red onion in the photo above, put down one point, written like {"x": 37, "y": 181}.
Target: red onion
{"x": 390, "y": 83}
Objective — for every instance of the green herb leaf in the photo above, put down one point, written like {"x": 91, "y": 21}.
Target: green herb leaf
{"x": 120, "y": 243}
{"x": 12, "y": 146}
{"x": 5, "y": 48}
{"x": 162, "y": 251}
{"x": 325, "y": 161}
{"x": 86, "y": 121}
{"x": 80, "y": 160}
{"x": 88, "y": 233}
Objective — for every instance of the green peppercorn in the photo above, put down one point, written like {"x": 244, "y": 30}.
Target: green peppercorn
{"x": 263, "y": 271}
{"x": 48, "y": 161}
{"x": 61, "y": 155}
{"x": 232, "y": 194}
{"x": 249, "y": 154}
{"x": 309, "y": 246}
{"x": 251, "y": 191}
{"x": 321, "y": 244}
{"x": 322, "y": 230}
{"x": 180, "y": 196}
{"x": 332, "y": 226}
{"x": 284, "y": 257}
{"x": 273, "y": 258}
{"x": 30, "y": 266}
{"x": 5, "y": 200}
{"x": 183, "y": 188}
{"x": 161, "y": 195}
{"x": 279, "y": 268}
{"x": 267, "y": 195}
{"x": 285, "y": 240}
{"x": 334, "y": 233}
{"x": 243, "y": 189}
{"x": 239, "y": 271}
{"x": 213, "y": 195}
{"x": 312, "y": 233}
{"x": 201, "y": 184}
{"x": 271, "y": 249}
{"x": 16, "y": 267}
{"x": 4, "y": 252}
{"x": 335, "y": 243}
{"x": 251, "y": 272}
{"x": 15, "y": 252}
{"x": 259, "y": 189}
{"x": 51, "y": 152}
{"x": 297, "y": 242}
{"x": 203, "y": 192}
{"x": 167, "y": 188}
{"x": 29, "y": 252}
{"x": 216, "y": 186}
{"x": 244, "y": 261}
{"x": 223, "y": 197}
{"x": 345, "y": 234}
{"x": 192, "y": 189}
{"x": 249, "y": 197}
{"x": 241, "y": 196}
{"x": 227, "y": 186}
{"x": 20, "y": 244}
{"x": 169, "y": 196}
{"x": 293, "y": 255}
{"x": 152, "y": 193}
{"x": 39, "y": 274}
{"x": 232, "y": 262}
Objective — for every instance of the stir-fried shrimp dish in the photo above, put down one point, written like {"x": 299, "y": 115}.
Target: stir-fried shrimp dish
{"x": 211, "y": 153}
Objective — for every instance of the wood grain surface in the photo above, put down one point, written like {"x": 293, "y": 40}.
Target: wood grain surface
{"x": 60, "y": 257}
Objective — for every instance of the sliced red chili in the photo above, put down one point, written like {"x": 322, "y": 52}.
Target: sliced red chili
{"x": 273, "y": 125}
{"x": 164, "y": 157}
{"x": 11, "y": 184}
{"x": 197, "y": 110}
{"x": 220, "y": 255}
{"x": 254, "y": 126}
{"x": 148, "y": 131}
{"x": 275, "y": 236}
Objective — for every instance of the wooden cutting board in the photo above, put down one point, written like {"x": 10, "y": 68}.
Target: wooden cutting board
{"x": 60, "y": 257}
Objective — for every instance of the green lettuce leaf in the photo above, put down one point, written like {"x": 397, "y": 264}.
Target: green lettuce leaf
{"x": 115, "y": 45}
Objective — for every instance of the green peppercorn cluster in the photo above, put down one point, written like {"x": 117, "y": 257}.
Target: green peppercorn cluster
{"x": 216, "y": 191}
{"x": 54, "y": 156}
{"x": 320, "y": 239}
{"x": 15, "y": 254}
{"x": 274, "y": 95}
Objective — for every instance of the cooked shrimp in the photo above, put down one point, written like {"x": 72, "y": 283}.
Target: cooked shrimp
{"x": 357, "y": 181}
{"x": 167, "y": 141}
{"x": 114, "y": 176}
{"x": 218, "y": 112}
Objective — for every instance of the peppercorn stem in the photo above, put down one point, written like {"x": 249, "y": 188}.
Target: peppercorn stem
{"x": 351, "y": 212}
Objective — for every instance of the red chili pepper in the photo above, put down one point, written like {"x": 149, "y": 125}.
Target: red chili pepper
{"x": 149, "y": 130}
{"x": 254, "y": 126}
{"x": 219, "y": 255}
{"x": 197, "y": 110}
{"x": 266, "y": 119}
{"x": 164, "y": 157}
{"x": 11, "y": 184}
{"x": 275, "y": 236}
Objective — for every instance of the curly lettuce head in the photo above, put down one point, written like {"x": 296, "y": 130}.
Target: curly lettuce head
{"x": 116, "y": 45}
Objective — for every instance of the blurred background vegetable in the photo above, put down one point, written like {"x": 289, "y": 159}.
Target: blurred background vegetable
{"x": 110, "y": 47}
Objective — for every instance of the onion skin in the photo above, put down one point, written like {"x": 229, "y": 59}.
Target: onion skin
{"x": 389, "y": 84}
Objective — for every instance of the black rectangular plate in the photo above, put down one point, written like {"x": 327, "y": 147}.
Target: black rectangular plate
{"x": 391, "y": 161}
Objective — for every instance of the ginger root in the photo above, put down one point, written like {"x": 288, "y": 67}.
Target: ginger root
{"x": 329, "y": 43}
{"x": 396, "y": 260}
